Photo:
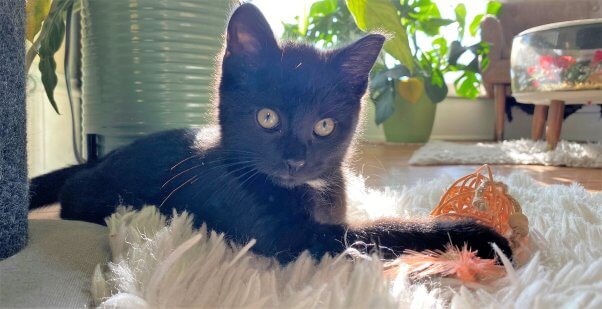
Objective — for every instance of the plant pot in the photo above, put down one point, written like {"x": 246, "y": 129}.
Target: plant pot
{"x": 411, "y": 122}
{"x": 147, "y": 66}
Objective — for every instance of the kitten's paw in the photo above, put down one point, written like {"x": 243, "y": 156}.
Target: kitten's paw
{"x": 478, "y": 238}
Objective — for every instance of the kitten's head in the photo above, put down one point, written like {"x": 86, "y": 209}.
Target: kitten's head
{"x": 290, "y": 109}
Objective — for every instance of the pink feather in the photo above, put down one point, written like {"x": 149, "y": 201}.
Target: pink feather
{"x": 462, "y": 264}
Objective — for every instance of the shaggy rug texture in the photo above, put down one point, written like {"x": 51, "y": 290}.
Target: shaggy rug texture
{"x": 522, "y": 151}
{"x": 165, "y": 264}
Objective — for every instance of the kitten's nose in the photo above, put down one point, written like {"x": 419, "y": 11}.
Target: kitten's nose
{"x": 294, "y": 165}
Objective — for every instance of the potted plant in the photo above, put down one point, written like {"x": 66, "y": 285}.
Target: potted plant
{"x": 146, "y": 65}
{"x": 406, "y": 88}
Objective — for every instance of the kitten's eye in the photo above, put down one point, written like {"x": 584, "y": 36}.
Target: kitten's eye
{"x": 324, "y": 127}
{"x": 267, "y": 118}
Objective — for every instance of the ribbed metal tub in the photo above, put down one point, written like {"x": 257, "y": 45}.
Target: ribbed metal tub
{"x": 148, "y": 65}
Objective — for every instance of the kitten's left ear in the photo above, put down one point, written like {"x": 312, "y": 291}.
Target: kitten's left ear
{"x": 356, "y": 60}
{"x": 249, "y": 34}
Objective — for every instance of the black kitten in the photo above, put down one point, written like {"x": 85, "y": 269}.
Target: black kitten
{"x": 273, "y": 170}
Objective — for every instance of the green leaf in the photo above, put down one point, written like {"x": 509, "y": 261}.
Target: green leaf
{"x": 381, "y": 81}
{"x": 460, "y": 11}
{"x": 384, "y": 105}
{"x": 440, "y": 46}
{"x": 424, "y": 10}
{"x": 36, "y": 11}
{"x": 431, "y": 26}
{"x": 371, "y": 15}
{"x": 397, "y": 72}
{"x": 322, "y": 8}
{"x": 435, "y": 87}
{"x": 494, "y": 8}
{"x": 484, "y": 63}
{"x": 441, "y": 21}
{"x": 475, "y": 24}
{"x": 467, "y": 85}
{"x": 51, "y": 37}
{"x": 49, "y": 80}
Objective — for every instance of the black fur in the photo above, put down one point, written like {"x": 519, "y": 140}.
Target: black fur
{"x": 44, "y": 190}
{"x": 235, "y": 177}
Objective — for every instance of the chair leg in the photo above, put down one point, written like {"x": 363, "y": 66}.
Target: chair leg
{"x": 555, "y": 117}
{"x": 538, "y": 123}
{"x": 499, "y": 96}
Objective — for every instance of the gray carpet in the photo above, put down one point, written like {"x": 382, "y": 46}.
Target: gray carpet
{"x": 55, "y": 268}
{"x": 13, "y": 159}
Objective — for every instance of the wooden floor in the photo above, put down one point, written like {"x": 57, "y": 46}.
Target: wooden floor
{"x": 387, "y": 165}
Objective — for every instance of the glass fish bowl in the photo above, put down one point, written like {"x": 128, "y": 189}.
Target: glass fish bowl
{"x": 560, "y": 57}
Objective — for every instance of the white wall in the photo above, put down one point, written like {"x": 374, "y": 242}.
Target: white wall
{"x": 49, "y": 144}
{"x": 469, "y": 120}
{"x": 584, "y": 125}
{"x": 461, "y": 119}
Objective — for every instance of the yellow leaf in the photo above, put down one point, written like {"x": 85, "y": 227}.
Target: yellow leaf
{"x": 410, "y": 89}
{"x": 36, "y": 11}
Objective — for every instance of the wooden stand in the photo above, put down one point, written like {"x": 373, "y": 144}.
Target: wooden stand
{"x": 555, "y": 117}
{"x": 539, "y": 121}
{"x": 499, "y": 96}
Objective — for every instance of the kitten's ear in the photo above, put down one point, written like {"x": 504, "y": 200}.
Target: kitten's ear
{"x": 249, "y": 33}
{"x": 356, "y": 60}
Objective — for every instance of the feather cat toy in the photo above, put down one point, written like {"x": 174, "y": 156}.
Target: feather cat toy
{"x": 479, "y": 197}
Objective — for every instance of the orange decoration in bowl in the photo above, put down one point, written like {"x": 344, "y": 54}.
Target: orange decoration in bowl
{"x": 480, "y": 197}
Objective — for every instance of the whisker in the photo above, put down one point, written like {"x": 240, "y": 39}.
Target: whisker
{"x": 249, "y": 178}
{"x": 203, "y": 164}
{"x": 234, "y": 171}
{"x": 193, "y": 178}
{"x": 228, "y": 185}
{"x": 225, "y": 151}
{"x": 177, "y": 175}
{"x": 220, "y": 151}
{"x": 196, "y": 155}
{"x": 244, "y": 174}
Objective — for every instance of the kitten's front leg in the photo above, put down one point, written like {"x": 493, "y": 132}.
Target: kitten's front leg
{"x": 395, "y": 236}
{"x": 328, "y": 199}
{"x": 328, "y": 208}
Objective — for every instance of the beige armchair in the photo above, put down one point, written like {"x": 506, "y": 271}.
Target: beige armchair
{"x": 514, "y": 18}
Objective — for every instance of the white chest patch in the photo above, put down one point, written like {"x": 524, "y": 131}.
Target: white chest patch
{"x": 318, "y": 184}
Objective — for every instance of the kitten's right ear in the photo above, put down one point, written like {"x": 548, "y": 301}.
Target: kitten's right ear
{"x": 356, "y": 60}
{"x": 249, "y": 34}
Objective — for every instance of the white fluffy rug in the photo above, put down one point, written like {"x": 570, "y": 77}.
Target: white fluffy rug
{"x": 522, "y": 151}
{"x": 168, "y": 264}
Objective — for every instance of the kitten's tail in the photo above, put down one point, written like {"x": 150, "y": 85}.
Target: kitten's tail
{"x": 44, "y": 190}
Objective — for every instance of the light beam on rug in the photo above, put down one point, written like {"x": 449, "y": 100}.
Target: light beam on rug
{"x": 522, "y": 151}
